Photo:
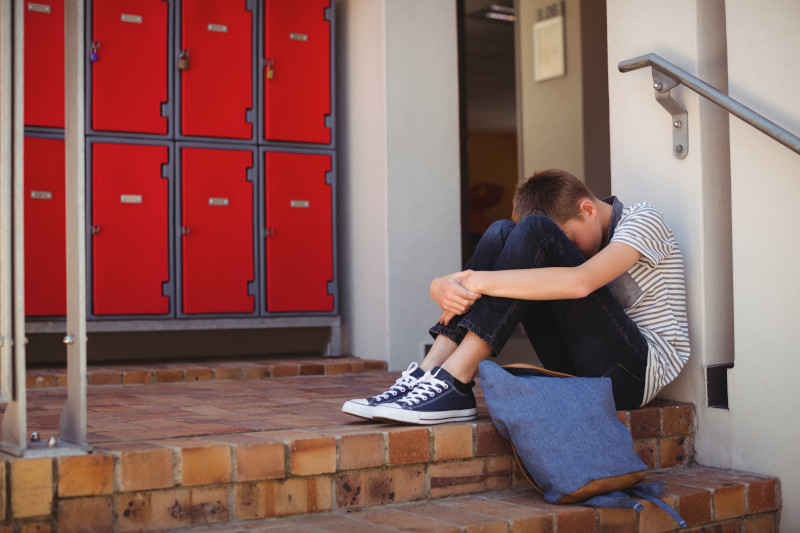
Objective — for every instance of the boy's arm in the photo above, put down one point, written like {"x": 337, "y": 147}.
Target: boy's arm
{"x": 556, "y": 283}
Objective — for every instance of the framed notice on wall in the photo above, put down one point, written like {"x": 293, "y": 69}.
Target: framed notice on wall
{"x": 549, "y": 60}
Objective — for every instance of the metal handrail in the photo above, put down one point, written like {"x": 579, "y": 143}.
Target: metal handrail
{"x": 733, "y": 107}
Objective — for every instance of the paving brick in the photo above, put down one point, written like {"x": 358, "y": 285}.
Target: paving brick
{"x": 760, "y": 524}
{"x": 490, "y": 442}
{"x": 762, "y": 496}
{"x": 87, "y": 515}
{"x": 334, "y": 369}
{"x": 616, "y": 520}
{"x": 678, "y": 420}
{"x": 143, "y": 466}
{"x": 204, "y": 462}
{"x": 673, "y": 451}
{"x": 311, "y": 369}
{"x": 366, "y": 488}
{"x": 258, "y": 372}
{"x": 409, "y": 446}
{"x": 622, "y": 416}
{"x": 41, "y": 380}
{"x": 282, "y": 371}
{"x": 362, "y": 450}
{"x": 729, "y": 502}
{"x": 312, "y": 456}
{"x": 105, "y": 377}
{"x": 137, "y": 377}
{"x": 221, "y": 373}
{"x": 3, "y": 486}
{"x": 467, "y": 521}
{"x": 374, "y": 366}
{"x": 693, "y": 503}
{"x": 85, "y": 475}
{"x": 168, "y": 375}
{"x": 256, "y": 459}
{"x": 452, "y": 441}
{"x": 134, "y": 511}
{"x": 647, "y": 450}
{"x": 407, "y": 521}
{"x": 30, "y": 487}
{"x": 264, "y": 499}
{"x": 520, "y": 518}
{"x": 645, "y": 422}
{"x": 188, "y": 507}
{"x": 464, "y": 477}
{"x": 199, "y": 374}
{"x": 568, "y": 518}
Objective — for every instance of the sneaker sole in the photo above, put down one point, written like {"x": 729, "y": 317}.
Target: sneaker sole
{"x": 423, "y": 418}
{"x": 359, "y": 410}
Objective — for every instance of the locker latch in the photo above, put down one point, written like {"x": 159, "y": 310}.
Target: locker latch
{"x": 185, "y": 230}
{"x": 270, "y": 232}
{"x": 96, "y": 230}
{"x": 183, "y": 60}
{"x": 93, "y": 50}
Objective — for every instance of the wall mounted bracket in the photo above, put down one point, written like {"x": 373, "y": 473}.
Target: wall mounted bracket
{"x": 662, "y": 84}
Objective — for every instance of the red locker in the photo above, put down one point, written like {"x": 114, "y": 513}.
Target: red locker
{"x": 45, "y": 238}
{"x": 44, "y": 63}
{"x": 129, "y": 65}
{"x": 299, "y": 251}
{"x": 217, "y": 231}
{"x": 216, "y": 68}
{"x": 297, "y": 78}
{"x": 130, "y": 226}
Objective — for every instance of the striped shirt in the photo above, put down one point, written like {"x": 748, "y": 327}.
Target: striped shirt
{"x": 653, "y": 292}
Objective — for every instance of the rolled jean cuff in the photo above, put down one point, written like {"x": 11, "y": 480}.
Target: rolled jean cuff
{"x": 494, "y": 343}
{"x": 454, "y": 334}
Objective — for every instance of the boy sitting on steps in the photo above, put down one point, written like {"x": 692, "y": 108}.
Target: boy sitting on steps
{"x": 597, "y": 285}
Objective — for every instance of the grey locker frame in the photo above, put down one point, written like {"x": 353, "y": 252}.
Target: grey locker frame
{"x": 333, "y": 285}
{"x": 168, "y": 108}
{"x": 253, "y": 172}
{"x": 330, "y": 14}
{"x": 167, "y": 172}
{"x": 254, "y": 7}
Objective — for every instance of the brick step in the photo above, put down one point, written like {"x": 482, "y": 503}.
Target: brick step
{"x": 710, "y": 500}
{"x": 174, "y": 455}
{"x": 147, "y": 373}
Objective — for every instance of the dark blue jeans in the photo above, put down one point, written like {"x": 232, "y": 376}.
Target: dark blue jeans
{"x": 589, "y": 337}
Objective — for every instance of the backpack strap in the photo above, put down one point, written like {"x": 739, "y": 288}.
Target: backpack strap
{"x": 650, "y": 491}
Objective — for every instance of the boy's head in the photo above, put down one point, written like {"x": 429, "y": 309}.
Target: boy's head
{"x": 556, "y": 194}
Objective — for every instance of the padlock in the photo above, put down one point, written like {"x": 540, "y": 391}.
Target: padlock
{"x": 183, "y": 60}
{"x": 270, "y": 70}
{"x": 93, "y": 50}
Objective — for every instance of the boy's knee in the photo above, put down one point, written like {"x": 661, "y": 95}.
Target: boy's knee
{"x": 501, "y": 228}
{"x": 538, "y": 223}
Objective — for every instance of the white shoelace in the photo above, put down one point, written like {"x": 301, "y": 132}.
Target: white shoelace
{"x": 403, "y": 383}
{"x": 427, "y": 387}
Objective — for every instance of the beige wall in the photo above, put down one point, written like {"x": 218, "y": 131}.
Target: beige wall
{"x": 563, "y": 122}
{"x": 399, "y": 177}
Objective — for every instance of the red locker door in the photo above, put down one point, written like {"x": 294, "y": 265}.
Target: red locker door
{"x": 217, "y": 75}
{"x": 299, "y": 253}
{"x": 45, "y": 239}
{"x": 129, "y": 65}
{"x": 44, "y": 63}
{"x": 217, "y": 231}
{"x": 297, "y": 79}
{"x": 130, "y": 209}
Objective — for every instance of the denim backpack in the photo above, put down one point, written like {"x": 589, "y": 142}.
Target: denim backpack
{"x": 566, "y": 436}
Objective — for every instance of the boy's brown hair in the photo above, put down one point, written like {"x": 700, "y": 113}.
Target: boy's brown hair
{"x": 554, "y": 193}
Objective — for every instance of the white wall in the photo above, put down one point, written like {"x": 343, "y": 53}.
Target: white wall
{"x": 764, "y": 74}
{"x": 397, "y": 97}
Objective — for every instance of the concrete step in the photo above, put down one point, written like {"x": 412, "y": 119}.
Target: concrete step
{"x": 233, "y": 453}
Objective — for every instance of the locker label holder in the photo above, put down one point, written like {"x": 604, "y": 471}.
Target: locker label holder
{"x": 130, "y": 198}
{"x": 134, "y": 19}
{"x": 218, "y": 201}
{"x": 219, "y": 28}
{"x": 298, "y": 37}
{"x": 300, "y": 203}
{"x": 41, "y": 195}
{"x": 39, "y": 8}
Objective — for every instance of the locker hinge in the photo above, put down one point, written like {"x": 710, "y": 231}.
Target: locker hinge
{"x": 96, "y": 230}
{"x": 185, "y": 230}
{"x": 270, "y": 232}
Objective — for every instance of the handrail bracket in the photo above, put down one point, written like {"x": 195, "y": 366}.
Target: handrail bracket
{"x": 662, "y": 83}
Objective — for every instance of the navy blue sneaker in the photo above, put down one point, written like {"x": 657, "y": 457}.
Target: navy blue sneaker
{"x": 435, "y": 400}
{"x": 366, "y": 406}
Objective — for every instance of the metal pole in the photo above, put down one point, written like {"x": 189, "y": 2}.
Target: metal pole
{"x": 13, "y": 283}
{"x": 73, "y": 417}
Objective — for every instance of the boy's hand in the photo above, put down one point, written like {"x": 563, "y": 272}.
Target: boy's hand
{"x": 454, "y": 299}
